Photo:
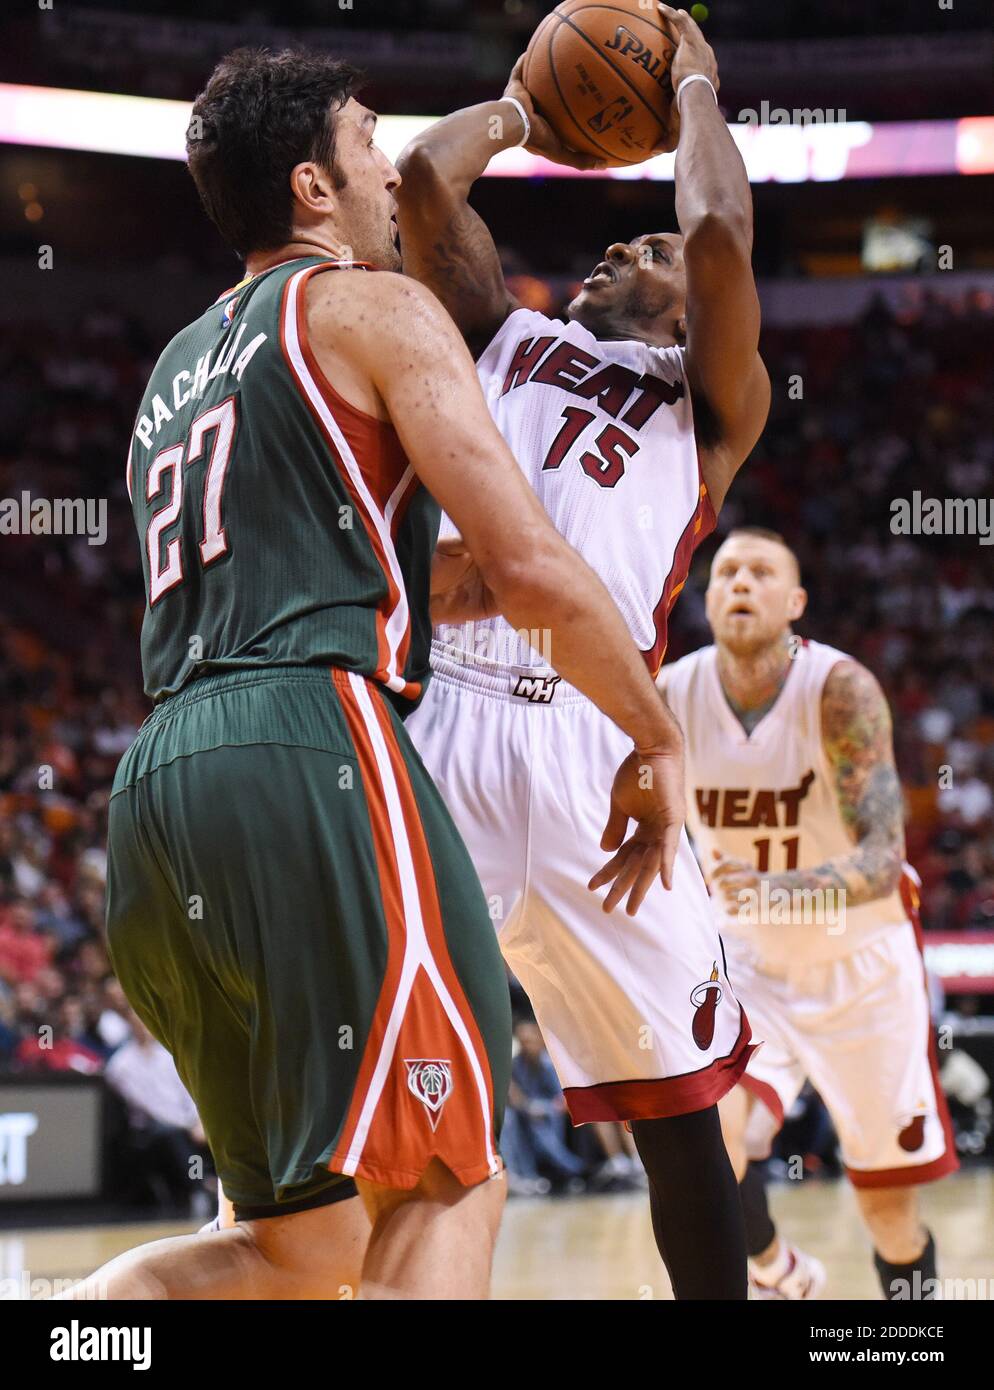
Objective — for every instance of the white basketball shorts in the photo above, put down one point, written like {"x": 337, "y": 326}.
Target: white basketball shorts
{"x": 638, "y": 1014}
{"x": 859, "y": 1029}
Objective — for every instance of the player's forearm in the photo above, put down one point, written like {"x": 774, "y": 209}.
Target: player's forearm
{"x": 713, "y": 198}
{"x": 457, "y": 149}
{"x": 446, "y": 244}
{"x": 588, "y": 643}
{"x": 871, "y": 871}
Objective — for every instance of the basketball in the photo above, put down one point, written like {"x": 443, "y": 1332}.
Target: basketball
{"x": 600, "y": 75}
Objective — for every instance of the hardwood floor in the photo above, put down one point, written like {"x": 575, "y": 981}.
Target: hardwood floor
{"x": 601, "y": 1247}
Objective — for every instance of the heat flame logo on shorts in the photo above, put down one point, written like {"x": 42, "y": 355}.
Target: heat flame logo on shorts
{"x": 912, "y": 1134}
{"x": 430, "y": 1079}
{"x": 705, "y": 998}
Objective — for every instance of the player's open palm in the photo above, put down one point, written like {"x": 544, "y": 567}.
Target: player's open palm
{"x": 648, "y": 789}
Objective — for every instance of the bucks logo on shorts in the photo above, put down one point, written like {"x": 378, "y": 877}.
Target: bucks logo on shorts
{"x": 431, "y": 1081}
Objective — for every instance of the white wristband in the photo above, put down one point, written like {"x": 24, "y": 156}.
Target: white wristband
{"x": 524, "y": 116}
{"x": 694, "y": 77}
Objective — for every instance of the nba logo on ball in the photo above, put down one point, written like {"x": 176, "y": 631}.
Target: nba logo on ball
{"x": 599, "y": 73}
{"x": 431, "y": 1081}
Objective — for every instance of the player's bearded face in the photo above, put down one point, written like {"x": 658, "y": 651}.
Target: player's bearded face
{"x": 366, "y": 206}
{"x": 638, "y": 291}
{"x": 753, "y": 595}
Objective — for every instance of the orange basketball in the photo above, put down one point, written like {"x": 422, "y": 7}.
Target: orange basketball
{"x": 600, "y": 75}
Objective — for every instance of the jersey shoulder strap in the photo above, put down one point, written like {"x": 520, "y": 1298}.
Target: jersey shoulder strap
{"x": 815, "y": 662}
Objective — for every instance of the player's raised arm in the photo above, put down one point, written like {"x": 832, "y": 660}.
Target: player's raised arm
{"x": 856, "y": 731}
{"x": 446, "y": 245}
{"x": 714, "y": 209}
{"x": 404, "y": 348}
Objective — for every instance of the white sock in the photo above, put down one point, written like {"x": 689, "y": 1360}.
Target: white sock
{"x": 773, "y": 1272}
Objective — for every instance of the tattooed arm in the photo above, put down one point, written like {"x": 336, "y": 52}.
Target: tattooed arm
{"x": 446, "y": 245}
{"x": 856, "y": 730}
{"x": 857, "y": 734}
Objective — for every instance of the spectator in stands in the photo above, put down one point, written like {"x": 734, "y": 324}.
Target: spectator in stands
{"x": 53, "y": 1048}
{"x": 24, "y": 952}
{"x": 166, "y": 1143}
{"x": 533, "y": 1142}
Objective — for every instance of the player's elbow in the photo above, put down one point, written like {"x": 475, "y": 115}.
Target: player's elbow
{"x": 883, "y": 872}
{"x": 722, "y": 232}
{"x": 420, "y": 169}
{"x": 509, "y": 577}
{"x": 526, "y": 577}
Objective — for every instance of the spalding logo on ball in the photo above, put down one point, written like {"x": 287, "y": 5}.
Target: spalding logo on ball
{"x": 600, "y": 75}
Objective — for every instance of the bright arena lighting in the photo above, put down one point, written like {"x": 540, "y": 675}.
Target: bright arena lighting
{"x": 105, "y": 123}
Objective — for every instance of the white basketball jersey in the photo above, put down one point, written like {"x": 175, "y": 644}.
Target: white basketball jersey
{"x": 769, "y": 798}
{"x": 604, "y": 433}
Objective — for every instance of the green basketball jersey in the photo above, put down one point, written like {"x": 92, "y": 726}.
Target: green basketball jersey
{"x": 279, "y": 524}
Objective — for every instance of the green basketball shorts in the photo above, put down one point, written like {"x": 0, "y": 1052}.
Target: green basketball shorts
{"x": 292, "y": 913}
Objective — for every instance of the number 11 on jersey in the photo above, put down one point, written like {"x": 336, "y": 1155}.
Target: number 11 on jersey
{"x": 791, "y": 848}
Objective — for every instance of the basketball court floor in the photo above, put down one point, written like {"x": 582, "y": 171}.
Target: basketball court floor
{"x": 602, "y": 1248}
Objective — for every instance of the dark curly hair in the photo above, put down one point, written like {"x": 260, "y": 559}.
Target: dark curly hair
{"x": 260, "y": 115}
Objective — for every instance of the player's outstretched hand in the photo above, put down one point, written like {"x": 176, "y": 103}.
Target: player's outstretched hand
{"x": 544, "y": 141}
{"x": 648, "y": 789}
{"x": 693, "y": 52}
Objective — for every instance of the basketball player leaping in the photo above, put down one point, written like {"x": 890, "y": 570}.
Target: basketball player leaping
{"x": 290, "y": 909}
{"x": 797, "y": 814}
{"x": 630, "y": 421}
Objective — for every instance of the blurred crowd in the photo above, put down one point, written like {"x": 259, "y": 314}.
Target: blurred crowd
{"x": 862, "y": 415}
